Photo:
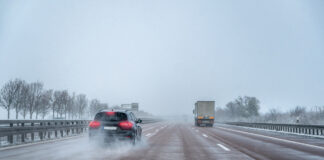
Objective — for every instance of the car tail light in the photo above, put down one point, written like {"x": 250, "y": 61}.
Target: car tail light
{"x": 94, "y": 124}
{"x": 125, "y": 125}
{"x": 110, "y": 113}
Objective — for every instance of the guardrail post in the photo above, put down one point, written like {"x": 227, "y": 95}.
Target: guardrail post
{"x": 22, "y": 138}
{"x": 55, "y": 132}
{"x": 32, "y": 134}
{"x": 61, "y": 133}
{"x": 40, "y": 133}
{"x": 10, "y": 139}
{"x": 23, "y": 134}
{"x": 49, "y": 132}
{"x": 72, "y": 129}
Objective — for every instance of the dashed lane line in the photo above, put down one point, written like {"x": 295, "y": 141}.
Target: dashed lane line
{"x": 149, "y": 134}
{"x": 223, "y": 147}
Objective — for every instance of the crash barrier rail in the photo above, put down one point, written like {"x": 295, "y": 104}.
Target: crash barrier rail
{"x": 149, "y": 120}
{"x": 317, "y": 130}
{"x": 13, "y": 132}
{"x": 24, "y": 131}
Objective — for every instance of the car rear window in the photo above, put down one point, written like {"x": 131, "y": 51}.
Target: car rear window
{"x": 117, "y": 116}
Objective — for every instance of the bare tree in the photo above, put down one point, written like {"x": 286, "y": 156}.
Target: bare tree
{"x": 65, "y": 103}
{"x": 81, "y": 104}
{"x": 298, "y": 111}
{"x": 71, "y": 108}
{"x": 33, "y": 100}
{"x": 61, "y": 101}
{"x": 273, "y": 115}
{"x": 56, "y": 103}
{"x": 96, "y": 106}
{"x": 252, "y": 106}
{"x": 23, "y": 98}
{"x": 18, "y": 96}
{"x": 244, "y": 107}
{"x": 8, "y": 94}
{"x": 45, "y": 103}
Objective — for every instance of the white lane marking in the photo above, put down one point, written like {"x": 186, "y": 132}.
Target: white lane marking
{"x": 273, "y": 138}
{"x": 149, "y": 134}
{"x": 205, "y": 135}
{"x": 223, "y": 147}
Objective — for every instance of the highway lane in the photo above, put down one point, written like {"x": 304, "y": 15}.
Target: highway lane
{"x": 263, "y": 145}
{"x": 166, "y": 140}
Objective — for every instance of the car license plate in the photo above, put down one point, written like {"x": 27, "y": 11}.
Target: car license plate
{"x": 205, "y": 121}
{"x": 110, "y": 128}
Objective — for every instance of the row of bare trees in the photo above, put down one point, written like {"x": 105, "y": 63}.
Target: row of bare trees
{"x": 243, "y": 107}
{"x": 299, "y": 114}
{"x": 31, "y": 99}
{"x": 246, "y": 109}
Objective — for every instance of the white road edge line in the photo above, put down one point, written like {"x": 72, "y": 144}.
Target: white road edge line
{"x": 147, "y": 135}
{"x": 278, "y": 139}
{"x": 40, "y": 142}
{"x": 205, "y": 135}
{"x": 223, "y": 147}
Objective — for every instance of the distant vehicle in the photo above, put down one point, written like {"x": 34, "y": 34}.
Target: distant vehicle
{"x": 112, "y": 126}
{"x": 204, "y": 113}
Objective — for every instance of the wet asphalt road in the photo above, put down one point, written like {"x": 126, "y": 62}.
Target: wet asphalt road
{"x": 177, "y": 141}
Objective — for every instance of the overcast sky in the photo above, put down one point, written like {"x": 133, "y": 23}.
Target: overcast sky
{"x": 168, "y": 54}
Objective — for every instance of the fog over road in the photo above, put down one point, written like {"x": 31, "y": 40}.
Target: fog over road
{"x": 167, "y": 140}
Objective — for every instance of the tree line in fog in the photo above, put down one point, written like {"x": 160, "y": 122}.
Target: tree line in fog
{"x": 247, "y": 109}
{"x": 33, "y": 101}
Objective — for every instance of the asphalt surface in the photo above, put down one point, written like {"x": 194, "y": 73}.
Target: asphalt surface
{"x": 177, "y": 141}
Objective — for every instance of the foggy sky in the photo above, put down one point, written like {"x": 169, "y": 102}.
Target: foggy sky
{"x": 165, "y": 55}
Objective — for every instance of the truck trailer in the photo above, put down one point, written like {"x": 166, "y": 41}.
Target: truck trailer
{"x": 204, "y": 113}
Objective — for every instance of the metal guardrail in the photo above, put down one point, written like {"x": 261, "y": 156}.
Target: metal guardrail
{"x": 149, "y": 120}
{"x": 317, "y": 130}
{"x": 13, "y": 132}
{"x": 23, "y": 131}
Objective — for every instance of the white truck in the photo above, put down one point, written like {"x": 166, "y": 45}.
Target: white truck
{"x": 204, "y": 113}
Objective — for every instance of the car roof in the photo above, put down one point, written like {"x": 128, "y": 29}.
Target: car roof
{"x": 115, "y": 110}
